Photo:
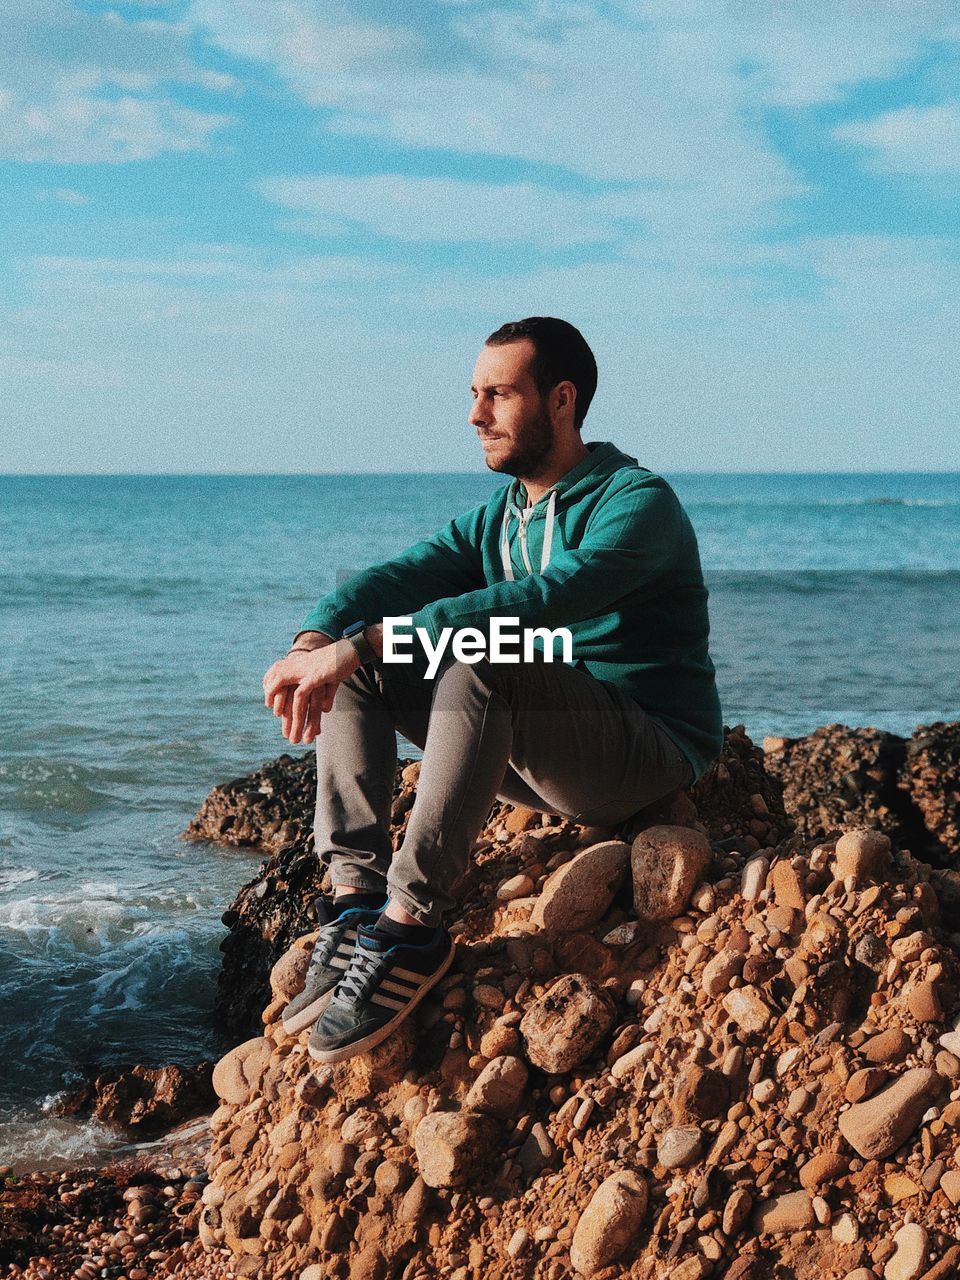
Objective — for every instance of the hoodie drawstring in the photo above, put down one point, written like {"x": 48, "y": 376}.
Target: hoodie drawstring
{"x": 523, "y": 516}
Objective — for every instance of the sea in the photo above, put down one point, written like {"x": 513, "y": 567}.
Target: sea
{"x": 138, "y": 614}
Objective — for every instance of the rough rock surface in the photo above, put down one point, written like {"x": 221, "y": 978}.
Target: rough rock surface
{"x": 141, "y": 1100}
{"x": 735, "y": 802}
{"x": 667, "y": 864}
{"x": 580, "y": 892}
{"x": 731, "y": 1098}
{"x": 838, "y": 778}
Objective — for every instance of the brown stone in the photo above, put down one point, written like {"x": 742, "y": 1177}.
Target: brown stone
{"x": 924, "y": 1002}
{"x": 667, "y": 864}
{"x": 888, "y": 1046}
{"x": 499, "y": 1087}
{"x": 790, "y": 1212}
{"x": 865, "y": 1082}
{"x": 877, "y": 1127}
{"x": 579, "y": 893}
{"x": 609, "y": 1223}
{"x": 823, "y": 1168}
{"x": 454, "y": 1147}
{"x": 861, "y": 854}
{"x": 788, "y": 889}
{"x": 566, "y": 1025}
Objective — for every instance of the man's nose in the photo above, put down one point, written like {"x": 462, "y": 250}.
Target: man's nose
{"x": 480, "y": 413}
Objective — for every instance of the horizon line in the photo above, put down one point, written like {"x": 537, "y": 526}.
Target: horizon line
{"x": 294, "y": 475}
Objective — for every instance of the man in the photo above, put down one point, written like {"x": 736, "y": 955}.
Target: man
{"x": 582, "y": 538}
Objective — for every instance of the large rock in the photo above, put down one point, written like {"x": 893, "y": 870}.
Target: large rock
{"x": 454, "y": 1147}
{"x": 609, "y": 1223}
{"x": 877, "y": 1127}
{"x": 862, "y": 854}
{"x": 668, "y": 863}
{"x": 143, "y": 1100}
{"x": 565, "y": 1026}
{"x": 499, "y": 1086}
{"x": 237, "y": 1075}
{"x": 579, "y": 893}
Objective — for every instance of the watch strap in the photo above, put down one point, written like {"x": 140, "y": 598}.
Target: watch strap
{"x": 356, "y": 638}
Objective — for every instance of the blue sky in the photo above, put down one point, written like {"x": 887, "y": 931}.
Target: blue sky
{"x": 269, "y": 237}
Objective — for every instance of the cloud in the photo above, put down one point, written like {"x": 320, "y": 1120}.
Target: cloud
{"x": 71, "y": 128}
{"x": 86, "y": 88}
{"x": 445, "y": 210}
{"x": 915, "y": 141}
{"x": 65, "y": 195}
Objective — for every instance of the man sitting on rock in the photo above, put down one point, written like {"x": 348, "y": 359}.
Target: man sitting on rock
{"x": 583, "y": 538}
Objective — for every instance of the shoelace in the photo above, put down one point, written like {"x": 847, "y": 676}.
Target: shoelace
{"x": 331, "y": 934}
{"x": 360, "y": 975}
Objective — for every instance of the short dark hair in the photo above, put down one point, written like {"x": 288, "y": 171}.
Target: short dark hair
{"x": 561, "y": 355}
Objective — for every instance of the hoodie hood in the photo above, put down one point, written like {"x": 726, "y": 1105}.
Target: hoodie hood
{"x": 601, "y": 461}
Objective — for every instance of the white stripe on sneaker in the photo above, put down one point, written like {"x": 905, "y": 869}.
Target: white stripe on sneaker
{"x": 407, "y": 989}
{"x": 408, "y": 976}
{"x": 387, "y": 1002}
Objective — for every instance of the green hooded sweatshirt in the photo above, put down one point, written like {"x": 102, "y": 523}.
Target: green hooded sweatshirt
{"x": 618, "y": 565}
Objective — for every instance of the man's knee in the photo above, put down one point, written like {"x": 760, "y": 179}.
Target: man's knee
{"x": 456, "y": 681}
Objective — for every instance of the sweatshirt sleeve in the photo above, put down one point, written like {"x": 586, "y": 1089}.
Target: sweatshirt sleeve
{"x": 447, "y": 564}
{"x": 632, "y": 540}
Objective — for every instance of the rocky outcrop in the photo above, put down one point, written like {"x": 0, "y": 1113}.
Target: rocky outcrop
{"x": 570, "y": 1105}
{"x": 838, "y": 778}
{"x": 141, "y": 1100}
{"x": 735, "y": 803}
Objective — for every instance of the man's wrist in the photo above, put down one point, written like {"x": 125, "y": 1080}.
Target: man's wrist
{"x": 307, "y": 641}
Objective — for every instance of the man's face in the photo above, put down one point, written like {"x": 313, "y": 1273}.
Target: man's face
{"x": 509, "y": 413}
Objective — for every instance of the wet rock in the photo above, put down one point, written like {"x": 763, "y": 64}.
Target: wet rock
{"x": 667, "y": 864}
{"x": 566, "y": 1025}
{"x": 609, "y": 1223}
{"x": 142, "y": 1100}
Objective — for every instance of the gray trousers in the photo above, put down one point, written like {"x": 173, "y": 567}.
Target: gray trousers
{"x": 541, "y": 734}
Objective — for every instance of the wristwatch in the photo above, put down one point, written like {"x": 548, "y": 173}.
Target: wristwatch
{"x": 359, "y": 642}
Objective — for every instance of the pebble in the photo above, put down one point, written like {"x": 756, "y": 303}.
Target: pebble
{"x": 679, "y": 1147}
{"x": 910, "y": 1259}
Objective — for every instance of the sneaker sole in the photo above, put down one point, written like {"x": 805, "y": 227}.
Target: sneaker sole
{"x": 308, "y": 1015}
{"x": 376, "y": 1037}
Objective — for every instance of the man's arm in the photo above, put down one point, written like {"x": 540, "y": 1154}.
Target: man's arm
{"x": 631, "y": 541}
{"x": 447, "y": 564}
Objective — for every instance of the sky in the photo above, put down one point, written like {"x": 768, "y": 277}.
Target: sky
{"x": 271, "y": 235}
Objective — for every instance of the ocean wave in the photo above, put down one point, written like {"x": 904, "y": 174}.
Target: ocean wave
{"x": 800, "y": 504}
{"x": 42, "y": 785}
{"x": 33, "y": 1141}
{"x": 11, "y": 878}
{"x": 94, "y": 918}
{"x": 84, "y": 588}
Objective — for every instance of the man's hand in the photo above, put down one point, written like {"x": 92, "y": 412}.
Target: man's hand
{"x": 302, "y": 686}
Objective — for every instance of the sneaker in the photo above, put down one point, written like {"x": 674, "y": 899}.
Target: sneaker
{"x": 328, "y": 964}
{"x": 384, "y": 982}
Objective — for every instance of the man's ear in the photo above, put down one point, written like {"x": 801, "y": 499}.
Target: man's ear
{"x": 565, "y": 399}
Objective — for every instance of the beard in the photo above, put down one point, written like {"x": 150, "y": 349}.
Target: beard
{"x": 530, "y": 452}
